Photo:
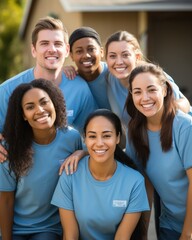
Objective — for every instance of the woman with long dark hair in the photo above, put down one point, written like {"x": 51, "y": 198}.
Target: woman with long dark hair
{"x": 160, "y": 142}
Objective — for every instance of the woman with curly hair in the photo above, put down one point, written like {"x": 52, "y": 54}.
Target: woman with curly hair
{"x": 38, "y": 140}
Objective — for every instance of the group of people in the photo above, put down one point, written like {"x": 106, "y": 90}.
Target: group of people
{"x": 120, "y": 129}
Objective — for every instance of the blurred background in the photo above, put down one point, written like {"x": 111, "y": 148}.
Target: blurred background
{"x": 163, "y": 28}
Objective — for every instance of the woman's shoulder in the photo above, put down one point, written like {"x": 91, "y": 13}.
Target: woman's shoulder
{"x": 182, "y": 125}
{"x": 129, "y": 172}
{"x": 69, "y": 131}
{"x": 81, "y": 169}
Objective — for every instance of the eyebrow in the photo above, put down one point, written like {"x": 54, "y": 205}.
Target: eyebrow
{"x": 90, "y": 45}
{"x": 147, "y": 87}
{"x": 126, "y": 51}
{"x": 29, "y": 103}
{"x": 107, "y": 131}
{"x": 46, "y": 41}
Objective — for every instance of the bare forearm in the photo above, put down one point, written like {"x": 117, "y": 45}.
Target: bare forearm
{"x": 6, "y": 218}
{"x": 6, "y": 224}
{"x": 69, "y": 224}
{"x": 70, "y": 238}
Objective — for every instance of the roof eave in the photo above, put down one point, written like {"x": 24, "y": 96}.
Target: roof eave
{"x": 146, "y": 6}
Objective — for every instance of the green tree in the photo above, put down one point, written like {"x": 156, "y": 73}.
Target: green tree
{"x": 10, "y": 45}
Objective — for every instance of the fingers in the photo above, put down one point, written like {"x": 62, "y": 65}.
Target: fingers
{"x": 69, "y": 166}
{"x": 70, "y": 72}
{"x": 69, "y": 75}
{"x": 3, "y": 154}
{"x": 3, "y": 157}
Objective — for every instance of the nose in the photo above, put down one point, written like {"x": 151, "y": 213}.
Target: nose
{"x": 40, "y": 109}
{"x": 145, "y": 95}
{"x": 99, "y": 141}
{"x": 119, "y": 60}
{"x": 52, "y": 48}
{"x": 86, "y": 54}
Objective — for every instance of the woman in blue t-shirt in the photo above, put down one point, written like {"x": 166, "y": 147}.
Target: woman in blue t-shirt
{"x": 160, "y": 142}
{"x": 104, "y": 198}
{"x": 38, "y": 140}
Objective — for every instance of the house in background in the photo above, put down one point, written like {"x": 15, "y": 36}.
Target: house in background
{"x": 163, "y": 28}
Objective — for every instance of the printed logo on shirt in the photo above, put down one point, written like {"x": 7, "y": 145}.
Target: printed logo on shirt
{"x": 120, "y": 203}
{"x": 69, "y": 113}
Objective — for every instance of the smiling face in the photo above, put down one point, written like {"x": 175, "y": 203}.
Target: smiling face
{"x": 121, "y": 59}
{"x": 87, "y": 54}
{"x": 101, "y": 139}
{"x": 148, "y": 95}
{"x": 50, "y": 50}
{"x": 38, "y": 110}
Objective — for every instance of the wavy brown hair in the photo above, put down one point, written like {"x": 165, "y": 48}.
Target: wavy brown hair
{"x": 138, "y": 124}
{"x": 18, "y": 133}
{"x": 48, "y": 23}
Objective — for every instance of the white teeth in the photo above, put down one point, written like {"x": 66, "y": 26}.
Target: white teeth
{"x": 100, "y": 151}
{"x": 42, "y": 119}
{"x": 147, "y": 105}
{"x": 120, "y": 69}
{"x": 87, "y": 63}
{"x": 51, "y": 58}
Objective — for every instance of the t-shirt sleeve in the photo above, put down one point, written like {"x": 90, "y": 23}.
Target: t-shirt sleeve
{"x": 3, "y": 106}
{"x": 62, "y": 196}
{"x": 184, "y": 147}
{"x": 7, "y": 178}
{"x": 138, "y": 201}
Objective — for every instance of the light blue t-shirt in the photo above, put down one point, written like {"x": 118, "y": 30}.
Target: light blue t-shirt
{"x": 117, "y": 95}
{"x": 79, "y": 99}
{"x": 99, "y": 206}
{"x": 33, "y": 212}
{"x": 98, "y": 88}
{"x": 167, "y": 170}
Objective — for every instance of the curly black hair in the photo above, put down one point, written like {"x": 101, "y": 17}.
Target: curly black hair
{"x": 18, "y": 133}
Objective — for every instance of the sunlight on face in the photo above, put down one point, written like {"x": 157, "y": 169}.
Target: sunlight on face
{"x": 38, "y": 109}
{"x": 101, "y": 139}
{"x": 148, "y": 94}
{"x": 87, "y": 54}
{"x": 121, "y": 59}
{"x": 50, "y": 50}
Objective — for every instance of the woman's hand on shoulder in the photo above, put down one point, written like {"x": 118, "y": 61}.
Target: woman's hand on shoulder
{"x": 70, "y": 164}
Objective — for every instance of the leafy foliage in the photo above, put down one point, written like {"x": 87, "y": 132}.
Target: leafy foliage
{"x": 10, "y": 45}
